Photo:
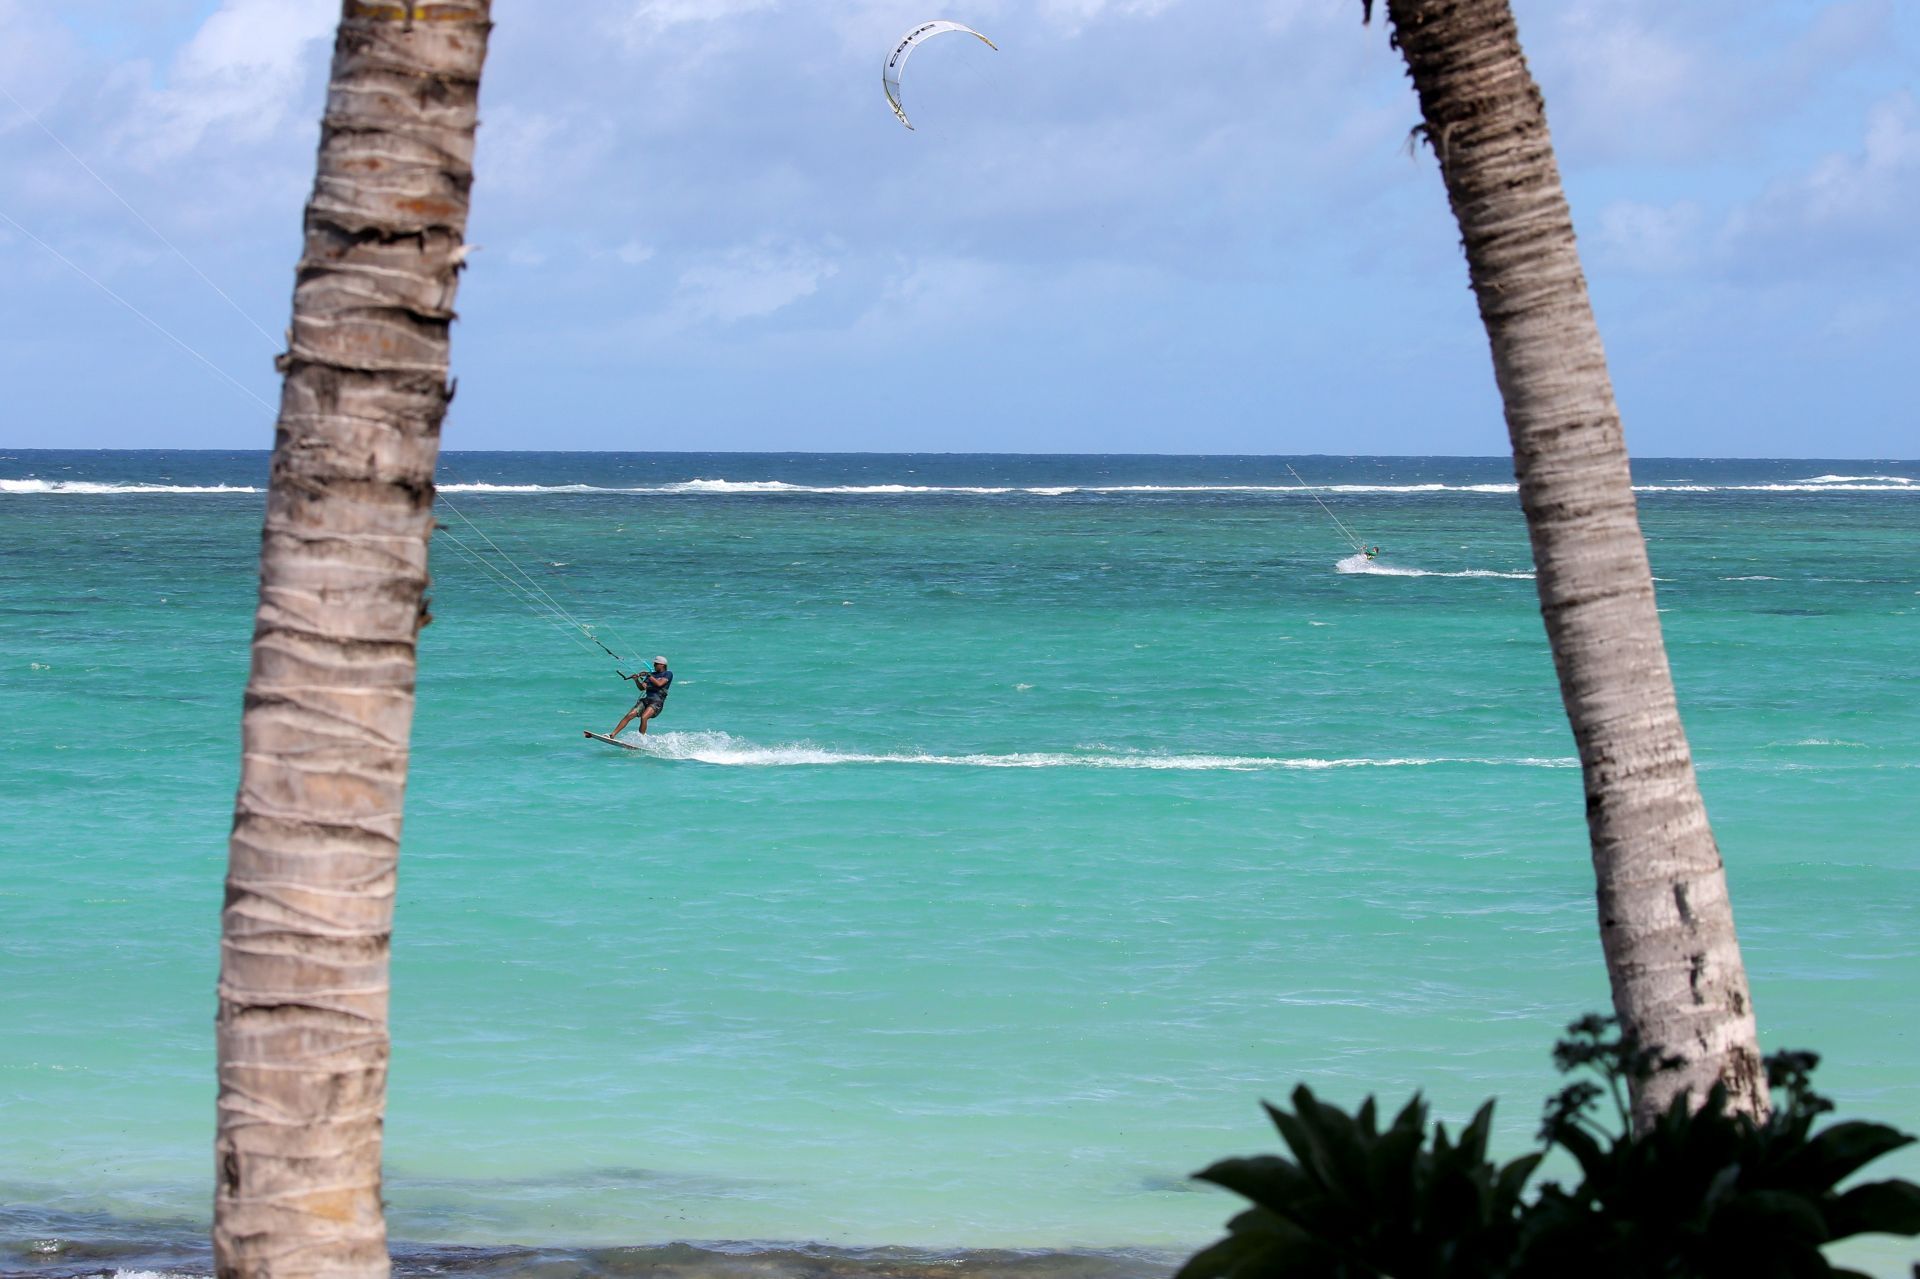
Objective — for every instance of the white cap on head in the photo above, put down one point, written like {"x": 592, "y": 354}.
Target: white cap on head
{"x": 659, "y": 661}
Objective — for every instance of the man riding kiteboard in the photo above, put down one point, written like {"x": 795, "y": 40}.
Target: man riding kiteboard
{"x": 653, "y": 686}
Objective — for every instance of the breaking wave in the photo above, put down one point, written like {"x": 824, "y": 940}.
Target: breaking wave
{"x": 1859, "y": 479}
{"x": 1821, "y": 741}
{"x": 725, "y": 749}
{"x": 748, "y": 488}
{"x": 89, "y": 488}
{"x": 1374, "y": 568}
{"x": 523, "y": 488}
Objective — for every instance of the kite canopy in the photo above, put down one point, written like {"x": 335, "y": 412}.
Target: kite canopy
{"x": 890, "y": 77}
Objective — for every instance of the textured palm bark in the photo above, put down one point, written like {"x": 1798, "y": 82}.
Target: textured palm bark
{"x": 1666, "y": 922}
{"x": 302, "y": 1030}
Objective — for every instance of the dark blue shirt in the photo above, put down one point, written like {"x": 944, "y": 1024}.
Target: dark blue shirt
{"x": 656, "y": 690}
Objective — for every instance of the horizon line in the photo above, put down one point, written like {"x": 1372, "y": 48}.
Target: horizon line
{"x": 1473, "y": 457}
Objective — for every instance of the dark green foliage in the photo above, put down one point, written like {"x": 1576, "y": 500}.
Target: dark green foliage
{"x": 1700, "y": 1195}
{"x": 1363, "y": 1202}
{"x": 1703, "y": 1193}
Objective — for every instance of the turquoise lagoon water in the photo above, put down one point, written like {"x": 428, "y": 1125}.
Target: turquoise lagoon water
{"x": 1015, "y": 826}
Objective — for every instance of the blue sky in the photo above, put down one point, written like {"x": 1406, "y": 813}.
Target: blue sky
{"x": 1142, "y": 226}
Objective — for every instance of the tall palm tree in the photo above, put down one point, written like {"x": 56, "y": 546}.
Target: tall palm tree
{"x": 1666, "y": 923}
{"x": 302, "y": 1026}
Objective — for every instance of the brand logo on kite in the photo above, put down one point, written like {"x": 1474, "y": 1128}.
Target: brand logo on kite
{"x": 890, "y": 75}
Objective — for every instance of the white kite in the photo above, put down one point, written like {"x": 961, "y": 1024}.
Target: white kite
{"x": 890, "y": 77}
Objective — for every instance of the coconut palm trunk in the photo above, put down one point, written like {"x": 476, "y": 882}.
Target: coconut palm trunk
{"x": 1666, "y": 922}
{"x": 302, "y": 1030}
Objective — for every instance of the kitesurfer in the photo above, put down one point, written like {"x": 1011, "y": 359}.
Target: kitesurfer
{"x": 1370, "y": 552}
{"x": 653, "y": 686}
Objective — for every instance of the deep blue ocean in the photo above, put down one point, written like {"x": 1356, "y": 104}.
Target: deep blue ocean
{"x": 1015, "y": 825}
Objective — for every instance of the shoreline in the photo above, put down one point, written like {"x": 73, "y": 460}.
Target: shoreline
{"x": 84, "y": 1245}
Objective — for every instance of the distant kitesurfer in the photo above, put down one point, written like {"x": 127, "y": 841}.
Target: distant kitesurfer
{"x": 1370, "y": 551}
{"x": 653, "y": 686}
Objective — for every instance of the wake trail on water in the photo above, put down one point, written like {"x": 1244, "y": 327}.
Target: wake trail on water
{"x": 1373, "y": 568}
{"x": 728, "y": 750}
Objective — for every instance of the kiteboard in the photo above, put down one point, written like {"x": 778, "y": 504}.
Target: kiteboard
{"x": 611, "y": 741}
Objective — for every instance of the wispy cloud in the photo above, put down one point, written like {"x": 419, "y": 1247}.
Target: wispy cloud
{"x": 238, "y": 79}
{"x": 1640, "y": 80}
{"x": 1850, "y": 208}
{"x": 661, "y": 15}
{"x": 1652, "y": 238}
{"x": 36, "y": 56}
{"x": 750, "y": 281}
{"x": 722, "y": 179}
{"x": 1874, "y": 187}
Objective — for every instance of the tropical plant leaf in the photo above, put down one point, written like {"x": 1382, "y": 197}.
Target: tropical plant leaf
{"x": 1839, "y": 1150}
{"x": 1473, "y": 1138}
{"x": 1878, "y": 1207}
{"x": 1513, "y": 1178}
{"x": 1335, "y": 1144}
{"x": 1773, "y": 1216}
{"x": 1241, "y": 1253}
{"x": 1585, "y": 1149}
{"x": 1367, "y": 1118}
{"x": 1268, "y": 1180}
{"x": 1697, "y": 1194}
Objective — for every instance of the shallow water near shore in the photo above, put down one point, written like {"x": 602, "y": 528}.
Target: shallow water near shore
{"x": 1015, "y": 825}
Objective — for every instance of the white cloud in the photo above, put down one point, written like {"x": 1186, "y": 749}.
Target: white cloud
{"x": 1618, "y": 80}
{"x": 750, "y": 281}
{"x": 1076, "y": 15}
{"x": 1650, "y": 237}
{"x": 1652, "y": 80}
{"x": 537, "y": 152}
{"x": 240, "y": 76}
{"x": 651, "y": 23}
{"x": 34, "y": 57}
{"x": 662, "y": 14}
{"x": 1850, "y": 204}
{"x": 944, "y": 291}
{"x": 1873, "y": 186}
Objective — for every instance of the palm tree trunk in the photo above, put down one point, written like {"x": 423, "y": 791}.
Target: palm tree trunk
{"x": 1666, "y": 923}
{"x": 302, "y": 1028}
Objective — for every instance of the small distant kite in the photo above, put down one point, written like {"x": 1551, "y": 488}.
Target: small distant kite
{"x": 890, "y": 77}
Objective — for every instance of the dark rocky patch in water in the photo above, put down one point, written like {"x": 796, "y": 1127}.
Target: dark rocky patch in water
{"x": 49, "y": 1245}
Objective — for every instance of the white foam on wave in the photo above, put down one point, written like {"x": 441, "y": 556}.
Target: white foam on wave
{"x": 1822, "y": 741}
{"x": 524, "y": 488}
{"x": 1837, "y": 484}
{"x": 1374, "y": 568}
{"x": 89, "y": 488}
{"x": 725, "y": 487}
{"x": 749, "y": 488}
{"x": 725, "y": 749}
{"x": 873, "y": 490}
{"x": 1859, "y": 479}
{"x": 1295, "y": 488}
